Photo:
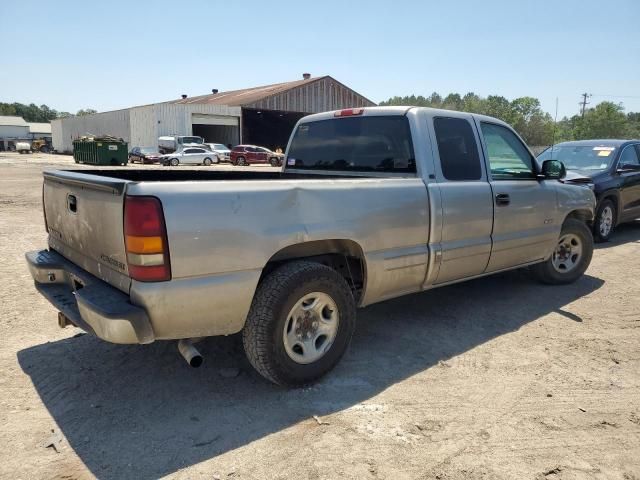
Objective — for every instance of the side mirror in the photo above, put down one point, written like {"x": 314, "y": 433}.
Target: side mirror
{"x": 553, "y": 170}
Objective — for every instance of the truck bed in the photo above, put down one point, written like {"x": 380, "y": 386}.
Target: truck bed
{"x": 184, "y": 174}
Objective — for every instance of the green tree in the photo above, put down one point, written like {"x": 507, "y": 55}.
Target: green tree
{"x": 606, "y": 120}
{"x": 88, "y": 111}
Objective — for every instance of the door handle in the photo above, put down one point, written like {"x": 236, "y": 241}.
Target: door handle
{"x": 502, "y": 199}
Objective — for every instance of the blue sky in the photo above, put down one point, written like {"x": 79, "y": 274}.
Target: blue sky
{"x": 115, "y": 54}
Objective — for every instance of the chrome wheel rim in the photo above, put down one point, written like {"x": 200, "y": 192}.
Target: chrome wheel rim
{"x": 310, "y": 328}
{"x": 606, "y": 221}
{"x": 567, "y": 254}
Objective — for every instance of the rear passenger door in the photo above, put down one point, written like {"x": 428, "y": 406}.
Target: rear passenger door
{"x": 261, "y": 155}
{"x": 191, "y": 156}
{"x": 525, "y": 223}
{"x": 467, "y": 207}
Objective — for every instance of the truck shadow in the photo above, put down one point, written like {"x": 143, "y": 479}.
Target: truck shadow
{"x": 625, "y": 233}
{"x": 115, "y": 404}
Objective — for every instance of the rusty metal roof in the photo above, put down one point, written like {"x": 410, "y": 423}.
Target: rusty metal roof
{"x": 247, "y": 96}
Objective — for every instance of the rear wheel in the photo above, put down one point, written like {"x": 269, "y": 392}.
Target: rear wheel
{"x": 571, "y": 256}
{"x": 300, "y": 324}
{"x": 604, "y": 222}
{"x": 207, "y": 162}
{"x": 174, "y": 162}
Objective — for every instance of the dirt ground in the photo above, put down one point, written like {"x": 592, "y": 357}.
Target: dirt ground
{"x": 499, "y": 378}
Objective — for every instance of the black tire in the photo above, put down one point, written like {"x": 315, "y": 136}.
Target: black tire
{"x": 241, "y": 161}
{"x": 207, "y": 161}
{"x": 545, "y": 272}
{"x": 274, "y": 162}
{"x": 275, "y": 297}
{"x": 174, "y": 162}
{"x": 600, "y": 232}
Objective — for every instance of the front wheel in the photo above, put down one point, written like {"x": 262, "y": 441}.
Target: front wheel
{"x": 207, "y": 162}
{"x": 300, "y": 323}
{"x": 605, "y": 222}
{"x": 274, "y": 162}
{"x": 241, "y": 161}
{"x": 174, "y": 162}
{"x": 571, "y": 257}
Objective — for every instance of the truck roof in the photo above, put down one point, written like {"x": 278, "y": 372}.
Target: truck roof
{"x": 401, "y": 110}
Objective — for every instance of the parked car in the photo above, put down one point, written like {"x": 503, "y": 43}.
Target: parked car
{"x": 222, "y": 151}
{"x": 248, "y": 154}
{"x": 174, "y": 143}
{"x": 614, "y": 168}
{"x": 144, "y": 155}
{"x": 373, "y": 203}
{"x": 190, "y": 156}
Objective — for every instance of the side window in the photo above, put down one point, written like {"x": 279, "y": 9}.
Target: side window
{"x": 457, "y": 148}
{"x": 191, "y": 150}
{"x": 629, "y": 156}
{"x": 508, "y": 157}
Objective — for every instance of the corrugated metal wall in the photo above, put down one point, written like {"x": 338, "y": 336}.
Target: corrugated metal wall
{"x": 325, "y": 94}
{"x": 153, "y": 121}
{"x": 114, "y": 123}
{"x": 56, "y": 135}
{"x": 139, "y": 126}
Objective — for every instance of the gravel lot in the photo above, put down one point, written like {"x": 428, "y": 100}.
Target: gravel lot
{"x": 497, "y": 378}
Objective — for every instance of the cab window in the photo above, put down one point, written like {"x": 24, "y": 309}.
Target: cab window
{"x": 457, "y": 149}
{"x": 509, "y": 159}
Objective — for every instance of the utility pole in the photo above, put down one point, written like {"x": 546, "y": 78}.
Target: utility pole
{"x": 584, "y": 103}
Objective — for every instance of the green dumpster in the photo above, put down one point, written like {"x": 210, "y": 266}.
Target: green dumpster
{"x": 100, "y": 151}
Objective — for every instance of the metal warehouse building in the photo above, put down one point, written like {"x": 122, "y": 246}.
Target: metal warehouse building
{"x": 260, "y": 115}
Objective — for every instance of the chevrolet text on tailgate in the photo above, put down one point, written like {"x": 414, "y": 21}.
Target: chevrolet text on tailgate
{"x": 371, "y": 204}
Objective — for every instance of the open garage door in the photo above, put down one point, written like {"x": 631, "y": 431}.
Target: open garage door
{"x": 268, "y": 128}
{"x": 216, "y": 128}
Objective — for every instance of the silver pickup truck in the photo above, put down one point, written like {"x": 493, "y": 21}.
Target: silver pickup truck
{"x": 371, "y": 204}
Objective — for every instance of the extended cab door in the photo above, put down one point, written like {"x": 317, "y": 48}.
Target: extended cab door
{"x": 467, "y": 206}
{"x": 525, "y": 224}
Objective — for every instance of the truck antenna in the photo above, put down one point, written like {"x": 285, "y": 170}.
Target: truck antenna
{"x": 553, "y": 135}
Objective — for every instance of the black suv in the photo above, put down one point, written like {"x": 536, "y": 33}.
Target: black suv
{"x": 614, "y": 168}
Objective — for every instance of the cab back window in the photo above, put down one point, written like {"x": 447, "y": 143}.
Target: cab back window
{"x": 361, "y": 144}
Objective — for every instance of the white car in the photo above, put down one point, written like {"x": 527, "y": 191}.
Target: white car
{"x": 190, "y": 156}
{"x": 223, "y": 153}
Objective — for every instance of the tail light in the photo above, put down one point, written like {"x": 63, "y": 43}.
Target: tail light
{"x": 145, "y": 236}
{"x": 44, "y": 210}
{"x": 349, "y": 112}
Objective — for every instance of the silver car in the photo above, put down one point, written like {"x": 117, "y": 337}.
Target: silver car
{"x": 222, "y": 151}
{"x": 190, "y": 156}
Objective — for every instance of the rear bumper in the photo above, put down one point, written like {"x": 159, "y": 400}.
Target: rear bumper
{"x": 88, "y": 302}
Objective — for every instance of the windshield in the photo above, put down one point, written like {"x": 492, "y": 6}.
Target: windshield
{"x": 190, "y": 140}
{"x": 581, "y": 157}
{"x": 371, "y": 143}
{"x": 147, "y": 150}
{"x": 219, "y": 146}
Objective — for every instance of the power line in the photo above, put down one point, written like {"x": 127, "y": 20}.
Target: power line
{"x": 614, "y": 96}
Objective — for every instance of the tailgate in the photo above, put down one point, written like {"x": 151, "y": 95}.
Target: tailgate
{"x": 84, "y": 216}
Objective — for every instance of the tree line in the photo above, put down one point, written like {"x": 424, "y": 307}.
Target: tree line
{"x": 34, "y": 113}
{"x": 537, "y": 128}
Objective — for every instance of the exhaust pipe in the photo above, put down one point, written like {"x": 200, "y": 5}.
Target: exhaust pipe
{"x": 189, "y": 352}
{"x": 63, "y": 321}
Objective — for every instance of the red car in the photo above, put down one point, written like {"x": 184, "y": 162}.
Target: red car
{"x": 248, "y": 154}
